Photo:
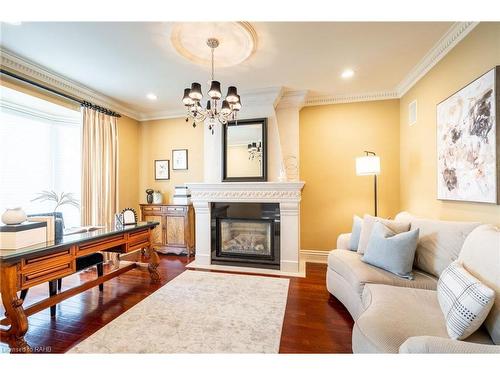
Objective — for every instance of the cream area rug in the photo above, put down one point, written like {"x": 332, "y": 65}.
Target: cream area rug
{"x": 199, "y": 312}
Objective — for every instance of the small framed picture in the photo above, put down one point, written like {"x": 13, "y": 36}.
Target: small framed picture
{"x": 162, "y": 169}
{"x": 179, "y": 159}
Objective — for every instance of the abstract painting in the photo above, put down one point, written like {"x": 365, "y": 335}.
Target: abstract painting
{"x": 467, "y": 147}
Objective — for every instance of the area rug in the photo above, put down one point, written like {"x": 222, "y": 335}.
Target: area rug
{"x": 199, "y": 312}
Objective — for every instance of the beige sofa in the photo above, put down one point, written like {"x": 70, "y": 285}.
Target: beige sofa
{"x": 393, "y": 314}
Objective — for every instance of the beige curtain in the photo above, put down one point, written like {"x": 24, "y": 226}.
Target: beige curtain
{"x": 99, "y": 169}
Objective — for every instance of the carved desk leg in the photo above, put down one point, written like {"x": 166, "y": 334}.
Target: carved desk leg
{"x": 13, "y": 310}
{"x": 153, "y": 263}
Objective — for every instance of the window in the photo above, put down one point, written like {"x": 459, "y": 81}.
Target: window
{"x": 40, "y": 149}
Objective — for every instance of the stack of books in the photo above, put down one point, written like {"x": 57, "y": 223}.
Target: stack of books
{"x": 182, "y": 195}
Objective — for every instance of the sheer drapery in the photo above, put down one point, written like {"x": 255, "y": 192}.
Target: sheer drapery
{"x": 99, "y": 169}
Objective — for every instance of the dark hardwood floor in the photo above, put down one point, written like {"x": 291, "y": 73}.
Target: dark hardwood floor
{"x": 314, "y": 323}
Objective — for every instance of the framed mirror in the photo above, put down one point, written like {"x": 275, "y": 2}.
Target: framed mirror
{"x": 244, "y": 150}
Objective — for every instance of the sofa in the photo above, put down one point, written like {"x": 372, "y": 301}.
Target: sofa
{"x": 398, "y": 315}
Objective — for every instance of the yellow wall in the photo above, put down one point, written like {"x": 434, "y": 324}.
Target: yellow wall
{"x": 473, "y": 56}
{"x": 158, "y": 139}
{"x": 128, "y": 163}
{"x": 331, "y": 137}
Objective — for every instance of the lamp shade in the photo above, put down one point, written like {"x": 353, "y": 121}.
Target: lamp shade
{"x": 368, "y": 165}
{"x": 186, "y": 99}
{"x": 214, "y": 91}
{"x": 225, "y": 110}
{"x": 195, "y": 92}
{"x": 232, "y": 95}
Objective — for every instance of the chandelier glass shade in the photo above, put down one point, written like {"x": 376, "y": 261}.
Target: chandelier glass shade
{"x": 215, "y": 109}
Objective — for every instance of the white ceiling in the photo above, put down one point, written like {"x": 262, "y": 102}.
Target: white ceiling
{"x": 127, "y": 60}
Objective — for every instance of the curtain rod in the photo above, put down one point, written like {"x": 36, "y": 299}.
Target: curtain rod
{"x": 83, "y": 103}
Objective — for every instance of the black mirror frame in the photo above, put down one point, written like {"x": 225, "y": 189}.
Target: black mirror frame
{"x": 263, "y": 122}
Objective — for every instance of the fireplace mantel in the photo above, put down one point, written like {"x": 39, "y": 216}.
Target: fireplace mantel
{"x": 246, "y": 191}
{"x": 287, "y": 194}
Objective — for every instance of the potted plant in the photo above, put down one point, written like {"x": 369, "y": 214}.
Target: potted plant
{"x": 59, "y": 200}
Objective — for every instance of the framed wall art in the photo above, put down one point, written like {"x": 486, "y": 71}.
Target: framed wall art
{"x": 179, "y": 159}
{"x": 162, "y": 169}
{"x": 468, "y": 142}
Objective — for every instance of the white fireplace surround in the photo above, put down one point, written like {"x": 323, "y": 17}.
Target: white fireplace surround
{"x": 287, "y": 194}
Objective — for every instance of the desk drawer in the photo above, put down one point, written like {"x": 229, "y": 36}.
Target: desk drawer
{"x": 101, "y": 245}
{"x": 47, "y": 273}
{"x": 46, "y": 261}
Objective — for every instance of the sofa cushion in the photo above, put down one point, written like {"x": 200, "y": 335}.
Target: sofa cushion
{"x": 464, "y": 300}
{"x": 394, "y": 314}
{"x": 357, "y": 224}
{"x": 440, "y": 241}
{"x": 393, "y": 252}
{"x": 480, "y": 256}
{"x": 349, "y": 265}
{"x": 366, "y": 229}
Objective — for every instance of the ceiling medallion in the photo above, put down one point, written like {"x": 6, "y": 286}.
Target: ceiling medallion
{"x": 229, "y": 108}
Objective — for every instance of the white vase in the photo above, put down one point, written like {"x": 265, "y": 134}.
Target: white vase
{"x": 13, "y": 216}
{"x": 157, "y": 198}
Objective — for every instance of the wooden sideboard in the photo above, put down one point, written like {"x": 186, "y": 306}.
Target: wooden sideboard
{"x": 175, "y": 234}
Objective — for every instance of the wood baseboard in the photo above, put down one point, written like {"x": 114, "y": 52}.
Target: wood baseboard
{"x": 314, "y": 256}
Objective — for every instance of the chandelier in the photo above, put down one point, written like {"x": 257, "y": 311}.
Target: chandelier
{"x": 255, "y": 151}
{"x": 229, "y": 107}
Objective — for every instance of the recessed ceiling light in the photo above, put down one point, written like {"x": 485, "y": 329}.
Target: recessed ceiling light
{"x": 348, "y": 73}
{"x": 151, "y": 96}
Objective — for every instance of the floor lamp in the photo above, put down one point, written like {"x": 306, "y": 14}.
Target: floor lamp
{"x": 369, "y": 165}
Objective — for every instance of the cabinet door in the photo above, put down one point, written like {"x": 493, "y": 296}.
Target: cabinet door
{"x": 175, "y": 231}
{"x": 157, "y": 232}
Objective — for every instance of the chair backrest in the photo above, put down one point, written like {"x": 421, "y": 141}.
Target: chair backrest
{"x": 480, "y": 256}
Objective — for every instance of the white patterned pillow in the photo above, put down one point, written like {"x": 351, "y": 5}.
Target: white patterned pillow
{"x": 464, "y": 300}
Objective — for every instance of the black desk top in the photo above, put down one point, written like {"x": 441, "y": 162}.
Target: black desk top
{"x": 12, "y": 256}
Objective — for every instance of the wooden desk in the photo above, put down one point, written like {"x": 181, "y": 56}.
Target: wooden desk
{"x": 30, "y": 266}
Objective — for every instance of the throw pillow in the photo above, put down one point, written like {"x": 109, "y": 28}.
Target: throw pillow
{"x": 366, "y": 229}
{"x": 464, "y": 300}
{"x": 391, "y": 251}
{"x": 357, "y": 223}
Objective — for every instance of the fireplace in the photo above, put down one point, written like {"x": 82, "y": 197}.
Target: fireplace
{"x": 246, "y": 234}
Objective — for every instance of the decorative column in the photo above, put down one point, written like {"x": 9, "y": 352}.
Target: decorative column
{"x": 202, "y": 230}
{"x": 290, "y": 243}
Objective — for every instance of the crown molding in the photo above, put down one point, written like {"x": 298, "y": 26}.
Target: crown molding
{"x": 28, "y": 68}
{"x": 453, "y": 36}
{"x": 292, "y": 99}
{"x": 339, "y": 99}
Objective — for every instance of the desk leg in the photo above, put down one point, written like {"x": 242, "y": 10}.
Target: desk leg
{"x": 13, "y": 310}
{"x": 153, "y": 263}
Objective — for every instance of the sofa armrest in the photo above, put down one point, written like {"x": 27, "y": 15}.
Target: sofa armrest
{"x": 343, "y": 241}
{"x": 430, "y": 344}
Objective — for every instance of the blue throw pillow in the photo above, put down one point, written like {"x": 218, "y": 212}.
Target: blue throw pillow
{"x": 357, "y": 223}
{"x": 390, "y": 251}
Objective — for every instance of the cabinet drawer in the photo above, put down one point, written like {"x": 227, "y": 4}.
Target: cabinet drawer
{"x": 151, "y": 209}
{"x": 47, "y": 273}
{"x": 45, "y": 261}
{"x": 138, "y": 245}
{"x": 175, "y": 209}
{"x": 139, "y": 235}
{"x": 99, "y": 245}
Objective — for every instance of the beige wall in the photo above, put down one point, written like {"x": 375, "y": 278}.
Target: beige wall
{"x": 331, "y": 137}
{"x": 473, "y": 56}
{"x": 158, "y": 139}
